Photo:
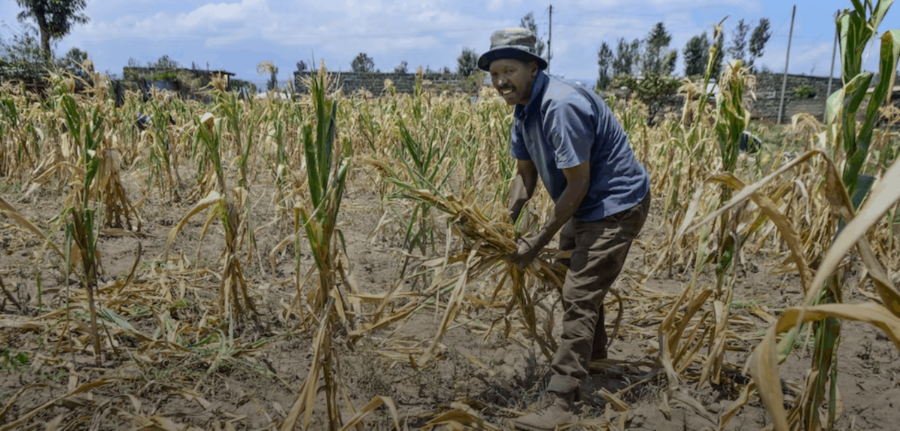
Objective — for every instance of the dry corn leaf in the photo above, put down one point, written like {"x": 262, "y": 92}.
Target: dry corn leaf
{"x": 376, "y": 402}
{"x": 86, "y": 387}
{"x": 763, "y": 366}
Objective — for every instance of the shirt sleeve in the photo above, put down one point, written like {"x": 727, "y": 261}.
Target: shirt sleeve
{"x": 568, "y": 125}
{"x": 517, "y": 144}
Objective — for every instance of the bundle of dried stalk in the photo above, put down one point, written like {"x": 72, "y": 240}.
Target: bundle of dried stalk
{"x": 486, "y": 243}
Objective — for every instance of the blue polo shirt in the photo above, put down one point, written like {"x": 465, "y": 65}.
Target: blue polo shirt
{"x": 564, "y": 125}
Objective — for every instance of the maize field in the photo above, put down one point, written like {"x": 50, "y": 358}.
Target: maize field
{"x": 338, "y": 262}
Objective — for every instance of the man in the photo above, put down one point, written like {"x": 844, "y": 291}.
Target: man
{"x": 568, "y": 137}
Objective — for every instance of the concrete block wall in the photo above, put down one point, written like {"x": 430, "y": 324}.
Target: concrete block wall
{"x": 768, "y": 96}
{"x": 768, "y": 90}
{"x": 351, "y": 82}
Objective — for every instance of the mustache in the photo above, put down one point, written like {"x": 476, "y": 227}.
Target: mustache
{"x": 506, "y": 88}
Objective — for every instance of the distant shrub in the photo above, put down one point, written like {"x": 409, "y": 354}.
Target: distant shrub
{"x": 805, "y": 91}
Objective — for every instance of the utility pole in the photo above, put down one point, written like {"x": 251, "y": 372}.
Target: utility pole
{"x": 831, "y": 73}
{"x": 786, "y": 62}
{"x": 549, "y": 38}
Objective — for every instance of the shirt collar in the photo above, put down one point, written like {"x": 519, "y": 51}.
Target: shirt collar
{"x": 540, "y": 81}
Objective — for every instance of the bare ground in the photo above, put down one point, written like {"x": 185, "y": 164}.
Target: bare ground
{"x": 254, "y": 388}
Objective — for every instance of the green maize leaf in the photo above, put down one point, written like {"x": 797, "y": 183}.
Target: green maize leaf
{"x": 864, "y": 184}
{"x": 312, "y": 167}
{"x": 833, "y": 106}
{"x": 115, "y": 318}
{"x": 855, "y": 92}
{"x": 854, "y": 166}
{"x": 328, "y": 145}
{"x": 849, "y": 26}
{"x": 410, "y": 145}
{"x": 890, "y": 52}
{"x": 881, "y": 9}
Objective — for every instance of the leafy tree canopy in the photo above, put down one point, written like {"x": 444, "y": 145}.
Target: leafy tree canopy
{"x": 363, "y": 63}
{"x": 652, "y": 89}
{"x": 527, "y": 21}
{"x": 73, "y": 60}
{"x": 758, "y": 40}
{"x": 627, "y": 57}
{"x": 657, "y": 57}
{"x": 604, "y": 64}
{"x": 54, "y": 18}
{"x": 738, "y": 48}
{"x": 696, "y": 55}
{"x": 164, "y": 62}
{"x": 467, "y": 62}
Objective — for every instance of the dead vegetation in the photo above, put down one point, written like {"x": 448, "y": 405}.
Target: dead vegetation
{"x": 386, "y": 300}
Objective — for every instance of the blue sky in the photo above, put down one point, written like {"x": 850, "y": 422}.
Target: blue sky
{"x": 237, "y": 35}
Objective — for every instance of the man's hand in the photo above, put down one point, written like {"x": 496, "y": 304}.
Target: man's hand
{"x": 528, "y": 250}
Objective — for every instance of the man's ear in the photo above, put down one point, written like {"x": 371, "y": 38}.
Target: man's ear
{"x": 534, "y": 68}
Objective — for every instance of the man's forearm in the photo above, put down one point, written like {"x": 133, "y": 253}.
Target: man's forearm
{"x": 566, "y": 207}
{"x": 518, "y": 196}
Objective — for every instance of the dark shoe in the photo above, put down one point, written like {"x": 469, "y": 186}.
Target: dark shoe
{"x": 556, "y": 409}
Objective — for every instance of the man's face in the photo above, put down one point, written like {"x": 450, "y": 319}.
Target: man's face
{"x": 513, "y": 79}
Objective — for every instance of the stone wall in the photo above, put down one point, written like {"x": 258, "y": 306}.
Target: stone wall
{"x": 351, "y": 82}
{"x": 768, "y": 96}
{"x": 768, "y": 90}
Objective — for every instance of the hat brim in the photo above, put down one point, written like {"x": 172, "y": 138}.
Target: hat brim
{"x": 484, "y": 62}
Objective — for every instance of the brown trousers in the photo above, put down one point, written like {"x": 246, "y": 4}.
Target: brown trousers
{"x": 599, "y": 250}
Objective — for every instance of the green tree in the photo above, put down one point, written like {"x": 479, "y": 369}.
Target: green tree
{"x": 363, "y": 63}
{"x": 738, "y": 48}
{"x": 627, "y": 57}
{"x": 720, "y": 56}
{"x": 164, "y": 62}
{"x": 72, "y": 62}
{"x": 657, "y": 57}
{"x": 604, "y": 64}
{"x": 652, "y": 89}
{"x": 402, "y": 68}
{"x": 54, "y": 18}
{"x": 696, "y": 54}
{"x": 301, "y": 66}
{"x": 758, "y": 40}
{"x": 467, "y": 62}
{"x": 527, "y": 21}
{"x": 235, "y": 84}
{"x": 22, "y": 50}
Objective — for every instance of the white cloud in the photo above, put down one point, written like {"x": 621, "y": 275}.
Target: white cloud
{"x": 215, "y": 23}
{"x": 810, "y": 59}
{"x": 498, "y": 5}
{"x": 238, "y": 34}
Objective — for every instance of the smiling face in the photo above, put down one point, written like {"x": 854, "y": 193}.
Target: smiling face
{"x": 514, "y": 79}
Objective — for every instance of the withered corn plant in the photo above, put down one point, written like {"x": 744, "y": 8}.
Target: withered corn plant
{"x": 327, "y": 164}
{"x": 82, "y": 219}
{"x": 162, "y": 155}
{"x": 225, "y": 205}
{"x": 817, "y": 406}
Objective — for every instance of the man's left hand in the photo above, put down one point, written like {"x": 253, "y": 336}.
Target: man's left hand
{"x": 528, "y": 250}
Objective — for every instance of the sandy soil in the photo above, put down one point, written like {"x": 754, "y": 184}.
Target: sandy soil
{"x": 254, "y": 389}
